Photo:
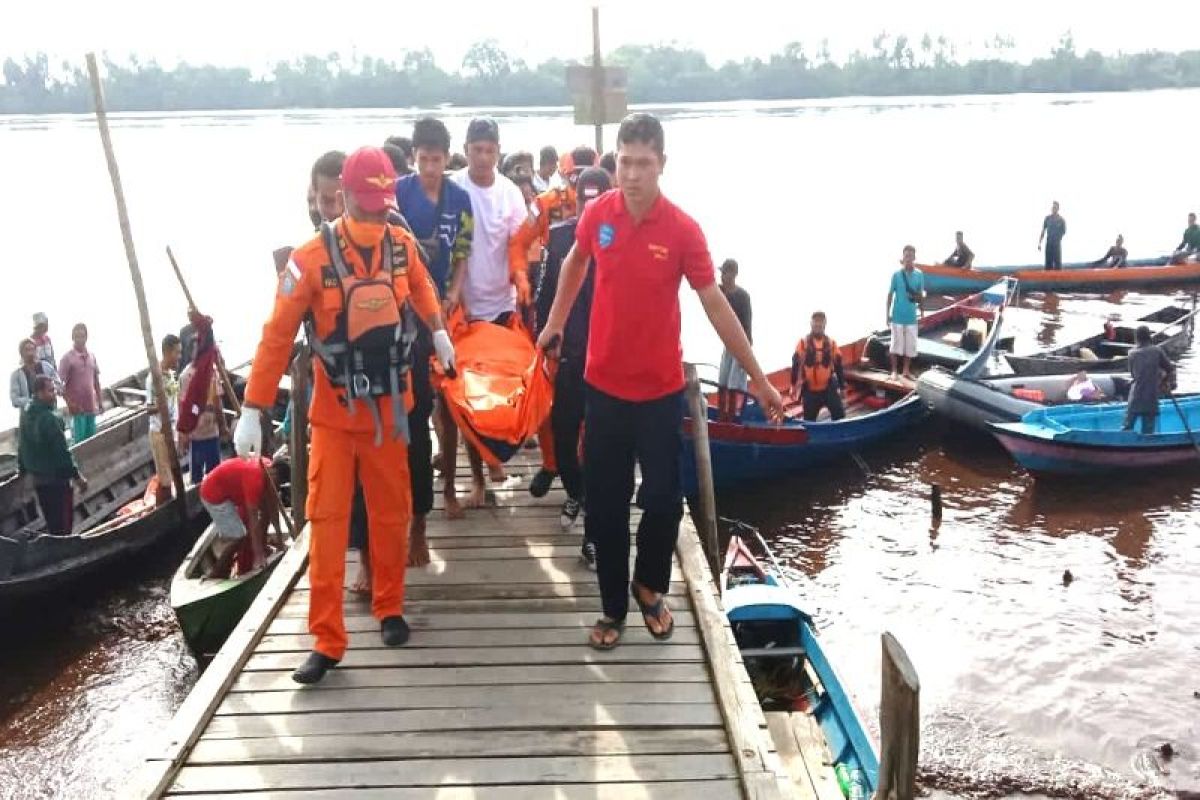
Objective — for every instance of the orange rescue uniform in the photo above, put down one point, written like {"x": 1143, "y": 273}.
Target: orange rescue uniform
{"x": 553, "y": 205}
{"x": 343, "y": 443}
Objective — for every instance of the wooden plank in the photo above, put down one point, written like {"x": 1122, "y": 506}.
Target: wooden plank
{"x": 455, "y": 657}
{"x": 470, "y": 622}
{"x": 725, "y": 789}
{"x": 743, "y": 716}
{"x": 456, "y": 744}
{"x": 461, "y": 772}
{"x": 517, "y": 570}
{"x": 412, "y": 698}
{"x": 584, "y": 605}
{"x": 584, "y": 586}
{"x": 576, "y": 716}
{"x": 810, "y": 741}
{"x": 563, "y": 674}
{"x": 555, "y": 637}
{"x": 789, "y": 753}
{"x": 197, "y": 708}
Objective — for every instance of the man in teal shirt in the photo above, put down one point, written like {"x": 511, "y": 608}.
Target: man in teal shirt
{"x": 1190, "y": 245}
{"x": 904, "y": 309}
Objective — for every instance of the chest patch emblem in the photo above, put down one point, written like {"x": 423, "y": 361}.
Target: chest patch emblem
{"x": 606, "y": 235}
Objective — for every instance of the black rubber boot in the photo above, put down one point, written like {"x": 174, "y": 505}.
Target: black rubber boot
{"x": 314, "y": 668}
{"x": 394, "y": 630}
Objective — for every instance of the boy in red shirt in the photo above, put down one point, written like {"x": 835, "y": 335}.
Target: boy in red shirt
{"x": 236, "y": 496}
{"x": 643, "y": 246}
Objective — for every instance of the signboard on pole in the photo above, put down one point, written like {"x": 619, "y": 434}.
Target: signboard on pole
{"x": 599, "y": 96}
{"x": 580, "y": 77}
{"x": 614, "y": 107}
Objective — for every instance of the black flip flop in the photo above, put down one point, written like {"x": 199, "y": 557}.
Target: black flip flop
{"x": 652, "y": 610}
{"x": 604, "y": 626}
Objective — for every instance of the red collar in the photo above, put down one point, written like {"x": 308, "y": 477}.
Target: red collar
{"x": 654, "y": 213}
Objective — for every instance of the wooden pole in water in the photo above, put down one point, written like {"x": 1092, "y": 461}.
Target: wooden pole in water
{"x": 598, "y": 110}
{"x": 704, "y": 477}
{"x": 935, "y": 501}
{"x": 298, "y": 441}
{"x": 899, "y": 724}
{"x": 135, "y": 273}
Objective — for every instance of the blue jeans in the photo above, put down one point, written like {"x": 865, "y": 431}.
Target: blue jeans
{"x": 205, "y": 456}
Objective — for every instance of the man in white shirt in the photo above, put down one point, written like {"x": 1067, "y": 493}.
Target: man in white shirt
{"x": 491, "y": 290}
{"x": 498, "y": 207}
{"x": 172, "y": 349}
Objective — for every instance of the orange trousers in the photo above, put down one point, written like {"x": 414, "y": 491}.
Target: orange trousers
{"x": 336, "y": 456}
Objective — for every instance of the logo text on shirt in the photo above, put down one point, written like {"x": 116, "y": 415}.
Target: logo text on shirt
{"x": 659, "y": 252}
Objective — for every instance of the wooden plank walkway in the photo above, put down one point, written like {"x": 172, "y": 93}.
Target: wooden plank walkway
{"x": 495, "y": 696}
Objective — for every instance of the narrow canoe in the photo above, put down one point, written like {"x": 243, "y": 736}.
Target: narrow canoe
{"x": 792, "y": 674}
{"x": 942, "y": 279}
{"x": 1087, "y": 439}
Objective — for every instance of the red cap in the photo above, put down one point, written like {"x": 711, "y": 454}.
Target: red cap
{"x": 369, "y": 177}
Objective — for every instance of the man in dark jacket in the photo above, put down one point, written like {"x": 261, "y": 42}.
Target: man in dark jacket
{"x": 42, "y": 453}
{"x": 1151, "y": 370}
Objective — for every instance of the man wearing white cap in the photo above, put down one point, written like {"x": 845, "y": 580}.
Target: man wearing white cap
{"x": 45, "y": 350}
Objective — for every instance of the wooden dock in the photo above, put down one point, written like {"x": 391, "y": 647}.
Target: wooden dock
{"x": 495, "y": 696}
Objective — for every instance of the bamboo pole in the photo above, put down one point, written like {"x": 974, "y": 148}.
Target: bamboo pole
{"x": 226, "y": 380}
{"x": 298, "y": 442}
{"x": 899, "y": 724}
{"x": 135, "y": 273}
{"x": 707, "y": 526}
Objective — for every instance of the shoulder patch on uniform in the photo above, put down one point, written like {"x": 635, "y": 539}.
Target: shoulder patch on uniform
{"x": 329, "y": 277}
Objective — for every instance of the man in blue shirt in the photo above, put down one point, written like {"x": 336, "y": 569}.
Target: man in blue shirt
{"x": 438, "y": 210}
{"x": 904, "y": 309}
{"x": 1054, "y": 228}
{"x": 439, "y": 213}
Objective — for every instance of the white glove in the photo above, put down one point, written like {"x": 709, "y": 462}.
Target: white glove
{"x": 247, "y": 436}
{"x": 444, "y": 348}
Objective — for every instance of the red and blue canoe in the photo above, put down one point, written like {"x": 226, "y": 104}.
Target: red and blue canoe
{"x": 1087, "y": 439}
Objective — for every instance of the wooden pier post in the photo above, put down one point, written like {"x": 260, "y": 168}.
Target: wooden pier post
{"x": 135, "y": 272}
{"x": 899, "y": 724}
{"x": 707, "y": 521}
{"x": 298, "y": 439}
{"x": 935, "y": 502}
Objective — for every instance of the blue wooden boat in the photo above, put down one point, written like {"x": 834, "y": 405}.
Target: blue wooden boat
{"x": 1078, "y": 277}
{"x": 792, "y": 675}
{"x": 1087, "y": 439}
{"x": 877, "y": 406}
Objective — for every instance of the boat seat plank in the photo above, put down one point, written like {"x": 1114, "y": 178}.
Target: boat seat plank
{"x": 805, "y": 732}
{"x": 772, "y": 652}
{"x": 877, "y": 378}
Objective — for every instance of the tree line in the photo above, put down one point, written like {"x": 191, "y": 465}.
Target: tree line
{"x": 490, "y": 76}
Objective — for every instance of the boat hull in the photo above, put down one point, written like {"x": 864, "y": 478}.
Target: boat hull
{"x": 941, "y": 279}
{"x": 1073, "y": 458}
{"x": 737, "y": 463}
{"x": 208, "y": 617}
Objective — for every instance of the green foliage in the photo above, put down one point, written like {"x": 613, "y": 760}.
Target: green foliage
{"x": 894, "y": 65}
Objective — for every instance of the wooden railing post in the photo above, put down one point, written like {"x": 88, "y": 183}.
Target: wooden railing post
{"x": 298, "y": 440}
{"x": 707, "y": 525}
{"x": 899, "y": 724}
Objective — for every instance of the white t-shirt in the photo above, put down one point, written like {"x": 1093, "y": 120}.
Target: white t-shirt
{"x": 171, "y": 387}
{"x": 499, "y": 210}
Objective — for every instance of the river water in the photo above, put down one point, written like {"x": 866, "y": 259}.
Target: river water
{"x": 1027, "y": 684}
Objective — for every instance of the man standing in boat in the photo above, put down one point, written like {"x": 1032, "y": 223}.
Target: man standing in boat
{"x": 1151, "y": 371}
{"x": 352, "y": 278}
{"x": 1054, "y": 228}
{"x": 905, "y": 294}
{"x": 642, "y": 246}
{"x": 817, "y": 373}
{"x": 42, "y": 453}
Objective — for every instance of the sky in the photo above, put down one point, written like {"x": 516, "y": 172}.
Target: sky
{"x": 257, "y": 33}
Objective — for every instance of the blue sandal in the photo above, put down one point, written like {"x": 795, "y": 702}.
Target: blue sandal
{"x": 652, "y": 611}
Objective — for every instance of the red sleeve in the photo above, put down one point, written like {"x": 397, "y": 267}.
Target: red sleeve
{"x": 585, "y": 231}
{"x": 697, "y": 261}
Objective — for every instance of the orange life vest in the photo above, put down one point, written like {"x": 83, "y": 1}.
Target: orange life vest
{"x": 817, "y": 361}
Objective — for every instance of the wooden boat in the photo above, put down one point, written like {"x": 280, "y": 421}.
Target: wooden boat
{"x": 943, "y": 335}
{"x": 208, "y": 609}
{"x": 969, "y": 397}
{"x": 1108, "y": 351}
{"x": 1078, "y": 277}
{"x": 116, "y": 519}
{"x": 796, "y": 682}
{"x": 751, "y": 448}
{"x": 1087, "y": 439}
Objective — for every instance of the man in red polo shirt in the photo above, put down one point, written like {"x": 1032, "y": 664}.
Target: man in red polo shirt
{"x": 642, "y": 246}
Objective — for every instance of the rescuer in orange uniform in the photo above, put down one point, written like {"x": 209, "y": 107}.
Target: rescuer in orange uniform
{"x": 352, "y": 281}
